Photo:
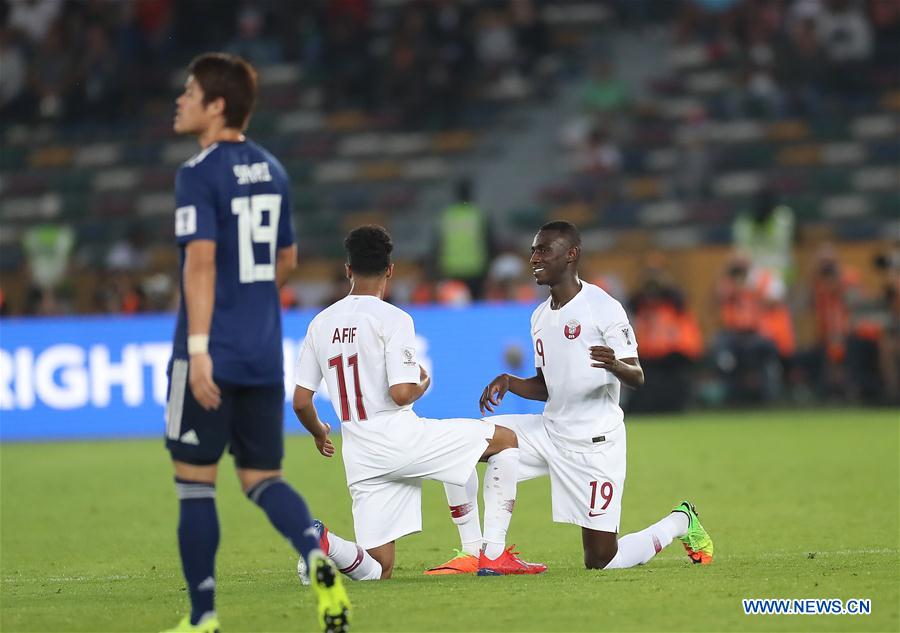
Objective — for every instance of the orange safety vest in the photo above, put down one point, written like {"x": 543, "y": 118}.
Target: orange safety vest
{"x": 662, "y": 330}
{"x": 775, "y": 321}
{"x": 740, "y": 307}
{"x": 832, "y": 319}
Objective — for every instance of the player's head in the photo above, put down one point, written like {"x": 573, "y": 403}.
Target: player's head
{"x": 369, "y": 250}
{"x": 555, "y": 252}
{"x": 220, "y": 91}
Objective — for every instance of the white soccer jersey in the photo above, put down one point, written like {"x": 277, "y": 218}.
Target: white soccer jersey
{"x": 362, "y": 346}
{"x": 582, "y": 401}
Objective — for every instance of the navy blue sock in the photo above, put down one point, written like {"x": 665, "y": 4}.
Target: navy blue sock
{"x": 287, "y": 511}
{"x": 198, "y": 540}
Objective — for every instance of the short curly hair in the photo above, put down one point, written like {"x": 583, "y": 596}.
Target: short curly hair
{"x": 369, "y": 250}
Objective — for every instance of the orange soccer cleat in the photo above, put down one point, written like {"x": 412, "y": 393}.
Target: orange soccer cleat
{"x": 462, "y": 563}
{"x": 508, "y": 563}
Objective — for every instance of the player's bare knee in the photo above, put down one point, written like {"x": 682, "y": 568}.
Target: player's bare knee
{"x": 250, "y": 477}
{"x": 502, "y": 439}
{"x": 193, "y": 472}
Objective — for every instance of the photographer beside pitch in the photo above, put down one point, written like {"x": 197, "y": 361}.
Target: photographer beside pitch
{"x": 584, "y": 349}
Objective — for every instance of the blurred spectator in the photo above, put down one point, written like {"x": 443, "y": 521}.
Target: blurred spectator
{"x": 846, "y": 38}
{"x": 129, "y": 253}
{"x": 800, "y": 68}
{"x": 604, "y": 94}
{"x": 97, "y": 93}
{"x": 874, "y": 345}
{"x": 532, "y": 37}
{"x": 844, "y": 32}
{"x": 288, "y": 298}
{"x": 766, "y": 233}
{"x": 118, "y": 293}
{"x": 509, "y": 279}
{"x": 251, "y": 41}
{"x": 463, "y": 238}
{"x": 885, "y": 17}
{"x": 746, "y": 360}
{"x": 833, "y": 291}
{"x": 495, "y": 43}
{"x": 453, "y": 292}
{"x": 600, "y": 155}
{"x": 13, "y": 75}
{"x": 53, "y": 72}
{"x": 670, "y": 340}
{"x": 34, "y": 17}
{"x": 694, "y": 161}
{"x": 159, "y": 293}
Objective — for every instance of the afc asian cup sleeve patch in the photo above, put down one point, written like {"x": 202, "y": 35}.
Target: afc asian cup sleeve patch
{"x": 185, "y": 221}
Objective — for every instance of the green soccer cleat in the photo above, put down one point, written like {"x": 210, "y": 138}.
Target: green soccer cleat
{"x": 334, "y": 605}
{"x": 206, "y": 625}
{"x": 697, "y": 544}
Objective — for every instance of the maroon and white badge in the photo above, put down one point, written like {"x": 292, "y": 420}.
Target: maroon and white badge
{"x": 572, "y": 329}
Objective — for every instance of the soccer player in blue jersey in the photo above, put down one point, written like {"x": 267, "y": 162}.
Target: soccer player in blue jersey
{"x": 226, "y": 382}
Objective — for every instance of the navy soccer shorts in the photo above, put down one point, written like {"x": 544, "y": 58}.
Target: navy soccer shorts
{"x": 249, "y": 421}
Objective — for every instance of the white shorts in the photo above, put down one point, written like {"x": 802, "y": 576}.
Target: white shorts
{"x": 388, "y": 506}
{"x": 585, "y": 488}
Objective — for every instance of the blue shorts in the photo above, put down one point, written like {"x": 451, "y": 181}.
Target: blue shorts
{"x": 249, "y": 421}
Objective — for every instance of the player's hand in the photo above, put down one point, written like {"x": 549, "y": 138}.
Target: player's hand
{"x": 604, "y": 358}
{"x": 206, "y": 392}
{"x": 323, "y": 442}
{"x": 493, "y": 393}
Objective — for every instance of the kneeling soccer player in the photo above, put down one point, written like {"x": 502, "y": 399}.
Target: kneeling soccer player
{"x": 365, "y": 349}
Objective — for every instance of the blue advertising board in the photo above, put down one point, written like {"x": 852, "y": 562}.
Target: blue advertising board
{"x": 81, "y": 377}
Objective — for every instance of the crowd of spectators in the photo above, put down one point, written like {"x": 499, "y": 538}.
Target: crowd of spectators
{"x": 421, "y": 63}
{"x": 416, "y": 62}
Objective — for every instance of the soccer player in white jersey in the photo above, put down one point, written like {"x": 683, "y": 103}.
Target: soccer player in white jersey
{"x": 365, "y": 349}
{"x": 584, "y": 349}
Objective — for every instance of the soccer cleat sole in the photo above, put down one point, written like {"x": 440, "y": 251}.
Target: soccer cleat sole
{"x": 336, "y": 617}
{"x": 445, "y": 571}
{"x": 490, "y": 572}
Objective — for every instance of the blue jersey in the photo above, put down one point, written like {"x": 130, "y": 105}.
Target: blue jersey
{"x": 238, "y": 195}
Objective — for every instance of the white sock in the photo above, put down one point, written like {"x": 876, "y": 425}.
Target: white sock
{"x": 500, "y": 480}
{"x": 639, "y": 547}
{"x": 463, "y": 502}
{"x": 352, "y": 560}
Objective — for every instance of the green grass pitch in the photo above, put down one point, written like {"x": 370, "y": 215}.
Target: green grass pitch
{"x": 801, "y": 504}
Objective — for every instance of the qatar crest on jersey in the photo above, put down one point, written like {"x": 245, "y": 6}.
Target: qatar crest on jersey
{"x": 572, "y": 329}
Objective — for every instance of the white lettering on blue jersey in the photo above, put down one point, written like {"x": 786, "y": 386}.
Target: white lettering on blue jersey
{"x": 247, "y": 174}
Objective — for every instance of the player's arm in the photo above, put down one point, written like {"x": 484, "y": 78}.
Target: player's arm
{"x": 534, "y": 388}
{"x": 309, "y": 418}
{"x": 285, "y": 263}
{"x": 408, "y": 392}
{"x": 199, "y": 298}
{"x": 627, "y": 370}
